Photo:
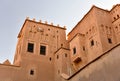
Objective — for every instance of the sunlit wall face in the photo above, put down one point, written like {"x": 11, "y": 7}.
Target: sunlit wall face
{"x": 63, "y": 12}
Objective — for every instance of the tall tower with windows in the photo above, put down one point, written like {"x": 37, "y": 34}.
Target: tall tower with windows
{"x": 35, "y": 52}
{"x": 96, "y": 33}
{"x": 115, "y": 19}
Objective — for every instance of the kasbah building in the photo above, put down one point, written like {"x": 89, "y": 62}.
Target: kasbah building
{"x": 91, "y": 51}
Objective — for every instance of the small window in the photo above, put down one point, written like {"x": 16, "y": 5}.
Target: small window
{"x": 102, "y": 25}
{"x": 89, "y": 30}
{"x": 109, "y": 40}
{"x": 83, "y": 48}
{"x": 50, "y": 58}
{"x": 65, "y": 55}
{"x": 46, "y": 34}
{"x": 53, "y": 36}
{"x": 116, "y": 28}
{"x": 110, "y": 28}
{"x": 30, "y": 47}
{"x": 61, "y": 45}
{"x": 58, "y": 71}
{"x": 49, "y": 29}
{"x": 31, "y": 72}
{"x": 106, "y": 27}
{"x": 114, "y": 18}
{"x": 86, "y": 32}
{"x": 92, "y": 42}
{"x": 118, "y": 16}
{"x": 43, "y": 50}
{"x": 77, "y": 60}
{"x": 74, "y": 50}
{"x": 57, "y": 56}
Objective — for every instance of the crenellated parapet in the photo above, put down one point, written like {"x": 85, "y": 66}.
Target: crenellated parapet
{"x": 45, "y": 22}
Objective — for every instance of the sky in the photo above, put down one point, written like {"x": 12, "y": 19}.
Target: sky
{"x": 63, "y": 12}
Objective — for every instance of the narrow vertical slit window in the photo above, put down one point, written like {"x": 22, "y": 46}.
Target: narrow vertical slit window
{"x": 50, "y": 58}
{"x": 117, "y": 16}
{"x": 58, "y": 71}
{"x": 57, "y": 56}
{"x": 92, "y": 42}
{"x": 114, "y": 18}
{"x": 74, "y": 50}
{"x": 65, "y": 55}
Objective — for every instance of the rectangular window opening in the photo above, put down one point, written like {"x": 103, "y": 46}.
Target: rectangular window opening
{"x": 110, "y": 40}
{"x": 65, "y": 55}
{"x": 31, "y": 72}
{"x": 74, "y": 50}
{"x": 92, "y": 42}
{"x": 30, "y": 47}
{"x": 57, "y": 56}
{"x": 43, "y": 50}
{"x": 83, "y": 48}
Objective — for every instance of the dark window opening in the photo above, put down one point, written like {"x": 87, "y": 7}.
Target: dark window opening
{"x": 50, "y": 58}
{"x": 114, "y": 18}
{"x": 106, "y": 27}
{"x": 43, "y": 50}
{"x": 49, "y": 29}
{"x": 30, "y": 47}
{"x": 61, "y": 45}
{"x": 110, "y": 28}
{"x": 46, "y": 34}
{"x": 116, "y": 28}
{"x": 77, "y": 60}
{"x": 31, "y": 72}
{"x": 65, "y": 55}
{"x": 58, "y": 71}
{"x": 57, "y": 56}
{"x": 92, "y": 43}
{"x": 53, "y": 36}
{"x": 102, "y": 25}
{"x": 118, "y": 16}
{"x": 74, "y": 50}
{"x": 86, "y": 32}
{"x": 83, "y": 48}
{"x": 109, "y": 40}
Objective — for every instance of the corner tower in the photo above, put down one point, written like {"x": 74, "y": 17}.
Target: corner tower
{"x": 37, "y": 44}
